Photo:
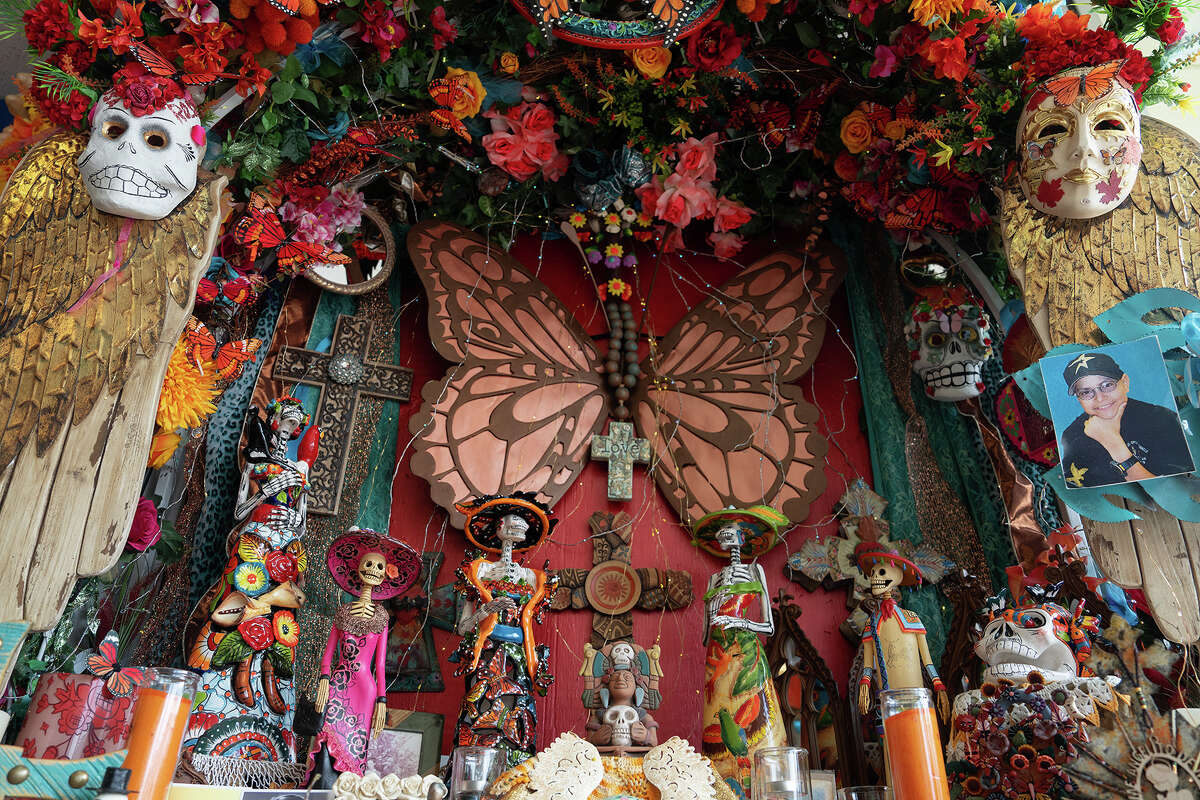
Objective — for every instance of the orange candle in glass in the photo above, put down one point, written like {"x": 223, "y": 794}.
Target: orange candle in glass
{"x": 160, "y": 718}
{"x": 914, "y": 748}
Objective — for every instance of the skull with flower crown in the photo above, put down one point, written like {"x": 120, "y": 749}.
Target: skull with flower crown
{"x": 948, "y": 340}
{"x": 1035, "y": 635}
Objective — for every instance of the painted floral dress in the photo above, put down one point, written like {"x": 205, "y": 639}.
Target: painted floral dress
{"x": 741, "y": 711}
{"x": 503, "y": 667}
{"x": 356, "y": 682}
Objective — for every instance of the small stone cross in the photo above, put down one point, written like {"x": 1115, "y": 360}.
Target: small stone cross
{"x": 621, "y": 449}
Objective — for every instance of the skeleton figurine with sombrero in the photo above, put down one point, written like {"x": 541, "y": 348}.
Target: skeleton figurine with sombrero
{"x": 499, "y": 656}
{"x": 895, "y": 654}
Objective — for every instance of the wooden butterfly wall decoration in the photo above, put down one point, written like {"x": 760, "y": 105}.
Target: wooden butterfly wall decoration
{"x": 518, "y": 409}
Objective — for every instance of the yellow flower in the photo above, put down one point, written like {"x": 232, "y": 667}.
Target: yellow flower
{"x": 509, "y": 63}
{"x": 467, "y": 102}
{"x": 651, "y": 61}
{"x": 928, "y": 12}
{"x": 187, "y": 395}
{"x": 1187, "y": 105}
{"x": 162, "y": 447}
{"x": 944, "y": 153}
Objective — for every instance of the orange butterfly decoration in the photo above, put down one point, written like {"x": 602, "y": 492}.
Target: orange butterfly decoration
{"x": 120, "y": 681}
{"x": 229, "y": 358}
{"x": 1095, "y": 83}
{"x": 157, "y": 64}
{"x": 261, "y": 227}
{"x": 550, "y": 13}
{"x": 671, "y": 14}
{"x": 446, "y": 92}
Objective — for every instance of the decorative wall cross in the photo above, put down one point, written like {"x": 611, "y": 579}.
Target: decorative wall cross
{"x": 621, "y": 449}
{"x": 613, "y": 587}
{"x": 344, "y": 374}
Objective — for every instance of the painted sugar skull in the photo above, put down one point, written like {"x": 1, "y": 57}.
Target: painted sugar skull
{"x": 948, "y": 340}
{"x": 1040, "y": 637}
{"x": 143, "y": 155}
{"x": 1079, "y": 137}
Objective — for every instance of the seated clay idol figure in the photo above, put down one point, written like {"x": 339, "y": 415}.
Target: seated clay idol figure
{"x": 621, "y": 684}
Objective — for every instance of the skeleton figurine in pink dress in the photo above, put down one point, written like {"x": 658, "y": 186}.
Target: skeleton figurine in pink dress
{"x": 352, "y": 693}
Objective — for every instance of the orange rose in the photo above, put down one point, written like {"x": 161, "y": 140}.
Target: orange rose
{"x": 894, "y": 130}
{"x": 469, "y": 100}
{"x": 651, "y": 61}
{"x": 509, "y": 63}
{"x": 856, "y": 131}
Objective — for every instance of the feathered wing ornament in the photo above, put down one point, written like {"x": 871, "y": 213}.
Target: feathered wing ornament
{"x": 518, "y": 409}
{"x": 89, "y": 304}
{"x": 1072, "y": 270}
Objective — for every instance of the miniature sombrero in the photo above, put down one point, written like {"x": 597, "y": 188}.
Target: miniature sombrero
{"x": 867, "y": 554}
{"x": 404, "y": 563}
{"x": 484, "y": 513}
{"x": 759, "y": 526}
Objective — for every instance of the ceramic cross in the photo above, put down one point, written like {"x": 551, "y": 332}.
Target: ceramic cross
{"x": 613, "y": 587}
{"x": 344, "y": 375}
{"x": 621, "y": 449}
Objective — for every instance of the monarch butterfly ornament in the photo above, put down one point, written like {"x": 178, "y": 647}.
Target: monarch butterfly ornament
{"x": 262, "y": 228}
{"x": 228, "y": 358}
{"x": 119, "y": 681}
{"x": 448, "y": 92}
{"x": 158, "y": 65}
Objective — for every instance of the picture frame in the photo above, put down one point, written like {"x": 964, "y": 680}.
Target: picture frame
{"x": 409, "y": 744}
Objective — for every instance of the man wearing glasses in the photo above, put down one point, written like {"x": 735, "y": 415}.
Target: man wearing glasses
{"x": 1117, "y": 438}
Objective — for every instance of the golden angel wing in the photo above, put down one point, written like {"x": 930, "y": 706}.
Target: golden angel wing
{"x": 1076, "y": 269}
{"x": 80, "y": 291}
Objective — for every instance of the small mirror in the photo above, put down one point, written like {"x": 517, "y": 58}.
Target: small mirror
{"x": 372, "y": 255}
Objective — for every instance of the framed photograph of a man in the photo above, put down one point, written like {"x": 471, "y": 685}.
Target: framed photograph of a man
{"x": 1114, "y": 415}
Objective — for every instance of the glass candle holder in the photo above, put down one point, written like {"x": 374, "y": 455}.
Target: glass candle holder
{"x": 865, "y": 793}
{"x": 914, "y": 748}
{"x": 473, "y": 771}
{"x": 160, "y": 718}
{"x": 780, "y": 773}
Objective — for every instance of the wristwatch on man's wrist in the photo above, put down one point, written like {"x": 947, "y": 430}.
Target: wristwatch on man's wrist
{"x": 1127, "y": 464}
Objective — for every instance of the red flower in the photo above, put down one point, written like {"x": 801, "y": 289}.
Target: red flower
{"x": 885, "y": 62}
{"x": 145, "y": 531}
{"x": 72, "y": 708}
{"x": 200, "y": 60}
{"x": 1170, "y": 32}
{"x": 143, "y": 93}
{"x": 93, "y": 33}
{"x": 948, "y": 58}
{"x": 46, "y": 24}
{"x": 281, "y": 566}
{"x": 68, "y": 113}
{"x": 380, "y": 28}
{"x": 443, "y": 32}
{"x": 257, "y": 633}
{"x": 715, "y": 47}
{"x": 818, "y": 57}
{"x": 252, "y": 77}
{"x": 730, "y": 215}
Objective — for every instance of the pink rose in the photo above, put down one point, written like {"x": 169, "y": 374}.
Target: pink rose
{"x": 730, "y": 214}
{"x": 536, "y": 117}
{"x": 540, "y": 150}
{"x": 502, "y": 147}
{"x": 648, "y": 194}
{"x": 556, "y": 167}
{"x": 145, "y": 530}
{"x": 685, "y": 199}
{"x": 698, "y": 158}
{"x": 726, "y": 245}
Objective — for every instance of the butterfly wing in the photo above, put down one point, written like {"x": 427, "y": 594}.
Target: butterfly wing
{"x": 231, "y": 358}
{"x": 518, "y": 408}
{"x": 296, "y": 257}
{"x": 1099, "y": 80}
{"x": 123, "y": 681}
{"x": 670, "y": 15}
{"x": 1065, "y": 89}
{"x": 153, "y": 60}
{"x": 260, "y": 227}
{"x": 445, "y": 118}
{"x": 291, "y": 7}
{"x": 198, "y": 341}
{"x": 726, "y": 422}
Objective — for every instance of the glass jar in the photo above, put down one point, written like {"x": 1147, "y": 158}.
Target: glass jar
{"x": 473, "y": 772}
{"x": 160, "y": 718}
{"x": 914, "y": 748}
{"x": 780, "y": 773}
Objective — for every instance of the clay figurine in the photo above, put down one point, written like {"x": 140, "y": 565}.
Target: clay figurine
{"x": 503, "y": 663}
{"x": 895, "y": 653}
{"x": 352, "y": 691}
{"x": 741, "y": 710}
{"x": 621, "y": 684}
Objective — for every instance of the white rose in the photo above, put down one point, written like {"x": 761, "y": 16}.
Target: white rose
{"x": 411, "y": 786}
{"x": 390, "y": 787}
{"x": 347, "y": 783}
{"x": 368, "y": 785}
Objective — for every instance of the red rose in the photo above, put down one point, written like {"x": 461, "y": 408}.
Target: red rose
{"x": 502, "y": 147}
{"x": 730, "y": 215}
{"x": 257, "y": 633}
{"x": 145, "y": 531}
{"x": 1170, "y": 32}
{"x": 521, "y": 168}
{"x": 443, "y": 32}
{"x": 537, "y": 117}
{"x": 281, "y": 566}
{"x": 715, "y": 47}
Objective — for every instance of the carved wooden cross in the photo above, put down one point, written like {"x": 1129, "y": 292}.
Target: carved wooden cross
{"x": 344, "y": 375}
{"x": 613, "y": 587}
{"x": 621, "y": 449}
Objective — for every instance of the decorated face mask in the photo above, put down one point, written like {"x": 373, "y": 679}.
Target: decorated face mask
{"x": 141, "y": 166}
{"x": 948, "y": 341}
{"x": 1079, "y": 137}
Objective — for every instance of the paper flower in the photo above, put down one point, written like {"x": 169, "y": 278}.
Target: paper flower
{"x": 187, "y": 396}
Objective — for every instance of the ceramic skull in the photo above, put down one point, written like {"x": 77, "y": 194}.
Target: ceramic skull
{"x": 141, "y": 165}
{"x": 948, "y": 341}
{"x": 1079, "y": 152}
{"x": 621, "y": 718}
{"x": 1028, "y": 639}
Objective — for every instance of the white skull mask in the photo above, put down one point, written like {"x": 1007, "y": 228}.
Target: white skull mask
{"x": 141, "y": 166}
{"x": 1079, "y": 156}
{"x": 948, "y": 341}
{"x": 621, "y": 718}
{"x": 1025, "y": 640}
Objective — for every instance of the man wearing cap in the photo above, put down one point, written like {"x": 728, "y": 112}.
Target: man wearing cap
{"x": 1117, "y": 438}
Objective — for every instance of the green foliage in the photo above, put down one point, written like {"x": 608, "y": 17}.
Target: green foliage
{"x": 230, "y": 650}
{"x": 11, "y": 13}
